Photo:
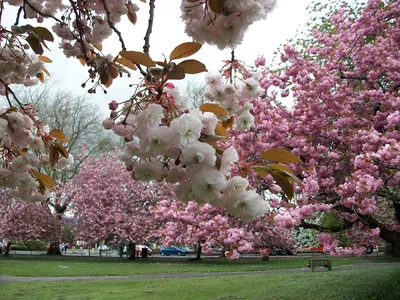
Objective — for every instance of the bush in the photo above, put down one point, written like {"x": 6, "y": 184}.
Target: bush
{"x": 29, "y": 246}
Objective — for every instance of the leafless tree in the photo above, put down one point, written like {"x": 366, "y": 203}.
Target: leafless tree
{"x": 195, "y": 90}
{"x": 78, "y": 118}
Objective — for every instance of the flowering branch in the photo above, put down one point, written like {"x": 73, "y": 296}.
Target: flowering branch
{"x": 42, "y": 13}
{"x": 149, "y": 28}
{"x": 79, "y": 26}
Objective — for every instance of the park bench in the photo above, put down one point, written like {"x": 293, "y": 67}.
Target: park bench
{"x": 320, "y": 262}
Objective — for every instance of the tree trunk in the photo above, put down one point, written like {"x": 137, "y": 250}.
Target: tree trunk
{"x": 198, "y": 251}
{"x": 54, "y": 249}
{"x": 132, "y": 251}
{"x": 8, "y": 248}
{"x": 392, "y": 237}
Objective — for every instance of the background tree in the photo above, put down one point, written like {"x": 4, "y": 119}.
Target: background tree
{"x": 195, "y": 90}
{"x": 208, "y": 227}
{"x": 23, "y": 221}
{"x": 110, "y": 205}
{"x": 344, "y": 125}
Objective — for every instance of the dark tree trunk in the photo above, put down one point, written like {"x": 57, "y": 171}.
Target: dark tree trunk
{"x": 392, "y": 237}
{"x": 54, "y": 249}
{"x": 198, "y": 251}
{"x": 8, "y": 248}
{"x": 223, "y": 252}
{"x": 132, "y": 251}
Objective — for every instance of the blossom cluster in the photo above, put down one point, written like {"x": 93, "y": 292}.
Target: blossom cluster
{"x": 25, "y": 143}
{"x": 17, "y": 68}
{"x": 223, "y": 25}
{"x": 167, "y": 141}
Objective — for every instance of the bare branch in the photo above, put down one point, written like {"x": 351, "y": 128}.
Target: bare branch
{"x": 146, "y": 46}
{"x": 80, "y": 30}
{"x": 112, "y": 26}
{"x": 18, "y": 15}
{"x": 42, "y": 13}
{"x": 10, "y": 91}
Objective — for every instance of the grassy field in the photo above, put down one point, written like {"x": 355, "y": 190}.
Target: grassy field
{"x": 340, "y": 284}
{"x": 83, "y": 266}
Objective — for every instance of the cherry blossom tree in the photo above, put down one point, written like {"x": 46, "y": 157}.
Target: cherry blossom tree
{"x": 343, "y": 125}
{"x": 23, "y": 221}
{"x": 165, "y": 140}
{"x": 210, "y": 227}
{"x": 110, "y": 205}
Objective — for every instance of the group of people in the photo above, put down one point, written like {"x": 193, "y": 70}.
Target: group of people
{"x": 64, "y": 247}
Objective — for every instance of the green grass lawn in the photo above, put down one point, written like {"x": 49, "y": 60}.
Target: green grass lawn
{"x": 84, "y": 266}
{"x": 339, "y": 284}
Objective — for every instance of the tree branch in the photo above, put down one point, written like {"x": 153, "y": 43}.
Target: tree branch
{"x": 146, "y": 46}
{"x": 231, "y": 68}
{"x": 112, "y": 26}
{"x": 42, "y": 13}
{"x": 346, "y": 225}
{"x": 18, "y": 15}
{"x": 78, "y": 25}
{"x": 9, "y": 90}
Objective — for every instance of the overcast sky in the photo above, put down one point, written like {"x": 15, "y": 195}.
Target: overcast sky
{"x": 262, "y": 38}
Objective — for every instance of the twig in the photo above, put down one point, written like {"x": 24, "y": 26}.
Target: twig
{"x": 42, "y": 13}
{"x": 112, "y": 26}
{"x": 9, "y": 90}
{"x": 78, "y": 25}
{"x": 1, "y": 9}
{"x": 146, "y": 46}
{"x": 18, "y": 15}
{"x": 231, "y": 68}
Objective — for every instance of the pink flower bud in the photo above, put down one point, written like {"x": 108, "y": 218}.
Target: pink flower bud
{"x": 113, "y": 105}
{"x": 108, "y": 123}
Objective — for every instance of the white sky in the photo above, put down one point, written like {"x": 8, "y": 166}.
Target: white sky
{"x": 262, "y": 38}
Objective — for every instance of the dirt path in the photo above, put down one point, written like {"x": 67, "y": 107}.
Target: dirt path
{"x": 4, "y": 278}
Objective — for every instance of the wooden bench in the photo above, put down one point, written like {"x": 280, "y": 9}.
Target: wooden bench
{"x": 320, "y": 262}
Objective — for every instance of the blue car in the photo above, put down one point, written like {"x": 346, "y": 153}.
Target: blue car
{"x": 172, "y": 251}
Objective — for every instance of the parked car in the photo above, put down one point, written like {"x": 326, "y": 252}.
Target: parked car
{"x": 278, "y": 251}
{"x": 173, "y": 250}
{"x": 1, "y": 247}
{"x": 139, "y": 249}
{"x": 312, "y": 249}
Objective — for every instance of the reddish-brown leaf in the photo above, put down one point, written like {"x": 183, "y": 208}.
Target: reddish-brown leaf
{"x": 138, "y": 58}
{"x": 45, "y": 59}
{"x": 192, "y": 66}
{"x": 54, "y": 155}
{"x": 35, "y": 44}
{"x": 185, "y": 50}
{"x": 132, "y": 17}
{"x": 279, "y": 155}
{"x": 44, "y": 33}
{"x": 214, "y": 108}
{"x": 216, "y": 6}
{"x": 59, "y": 135}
